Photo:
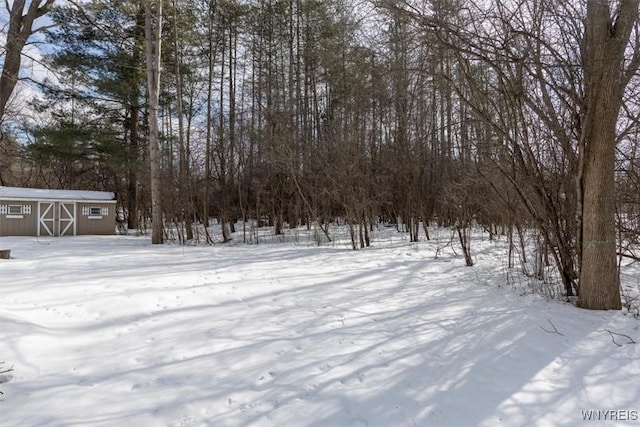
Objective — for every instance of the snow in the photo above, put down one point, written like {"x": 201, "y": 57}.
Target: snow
{"x": 19, "y": 193}
{"x": 113, "y": 331}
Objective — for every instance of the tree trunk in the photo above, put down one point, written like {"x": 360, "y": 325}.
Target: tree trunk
{"x": 607, "y": 36}
{"x": 209, "y": 136}
{"x": 184, "y": 199}
{"x": 20, "y": 28}
{"x": 134, "y": 124}
{"x": 153, "y": 32}
{"x": 132, "y": 178}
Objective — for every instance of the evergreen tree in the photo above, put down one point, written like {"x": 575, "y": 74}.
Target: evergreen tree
{"x": 99, "y": 58}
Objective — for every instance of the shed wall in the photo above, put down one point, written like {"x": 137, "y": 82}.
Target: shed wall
{"x": 103, "y": 224}
{"x": 87, "y": 222}
{"x": 23, "y": 224}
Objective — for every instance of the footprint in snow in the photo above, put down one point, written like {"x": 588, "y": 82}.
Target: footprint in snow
{"x": 140, "y": 386}
{"x": 352, "y": 379}
{"x": 310, "y": 389}
{"x": 87, "y": 382}
{"x": 324, "y": 368}
{"x": 5, "y": 378}
{"x": 185, "y": 422}
{"x": 158, "y": 382}
{"x": 268, "y": 376}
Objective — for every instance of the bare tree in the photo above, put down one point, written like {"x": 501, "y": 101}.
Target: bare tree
{"x": 153, "y": 39}
{"x": 185, "y": 196}
{"x": 20, "y": 29}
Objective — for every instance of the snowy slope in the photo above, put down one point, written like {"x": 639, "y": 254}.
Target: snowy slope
{"x": 112, "y": 331}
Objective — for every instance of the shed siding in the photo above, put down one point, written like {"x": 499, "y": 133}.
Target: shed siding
{"x": 27, "y": 223}
{"x": 96, "y": 224}
{"x": 10, "y": 225}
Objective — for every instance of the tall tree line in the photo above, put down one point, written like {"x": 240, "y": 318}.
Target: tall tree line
{"x": 516, "y": 117}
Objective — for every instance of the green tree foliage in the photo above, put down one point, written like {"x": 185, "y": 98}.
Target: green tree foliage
{"x": 99, "y": 95}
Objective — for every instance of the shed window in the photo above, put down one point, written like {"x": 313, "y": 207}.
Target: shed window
{"x": 95, "y": 212}
{"x": 15, "y": 210}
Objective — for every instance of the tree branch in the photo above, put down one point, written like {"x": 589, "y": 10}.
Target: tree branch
{"x": 613, "y": 339}
{"x": 555, "y": 330}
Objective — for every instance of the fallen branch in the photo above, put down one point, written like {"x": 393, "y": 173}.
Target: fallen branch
{"x": 450, "y": 243}
{"x": 613, "y": 338}
{"x": 555, "y": 330}
{"x": 4, "y": 371}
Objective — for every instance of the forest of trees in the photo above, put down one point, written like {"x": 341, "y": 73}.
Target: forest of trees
{"x": 517, "y": 116}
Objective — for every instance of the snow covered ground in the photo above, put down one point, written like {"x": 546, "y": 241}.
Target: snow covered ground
{"x": 112, "y": 331}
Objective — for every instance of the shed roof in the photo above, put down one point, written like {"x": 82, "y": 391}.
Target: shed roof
{"x": 19, "y": 193}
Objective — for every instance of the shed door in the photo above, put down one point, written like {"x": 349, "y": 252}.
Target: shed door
{"x": 66, "y": 219}
{"x": 57, "y": 219}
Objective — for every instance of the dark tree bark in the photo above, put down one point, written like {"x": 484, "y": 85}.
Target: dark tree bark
{"x": 606, "y": 37}
{"x": 20, "y": 28}
{"x": 153, "y": 38}
{"x": 134, "y": 128}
